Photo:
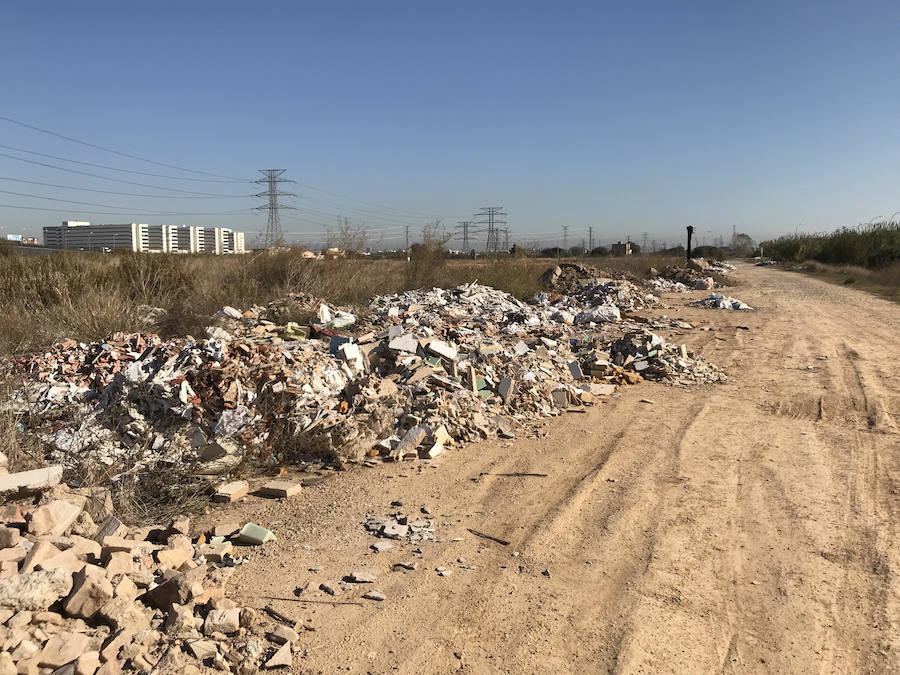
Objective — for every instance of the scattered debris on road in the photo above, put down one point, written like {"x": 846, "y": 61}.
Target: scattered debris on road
{"x": 720, "y": 301}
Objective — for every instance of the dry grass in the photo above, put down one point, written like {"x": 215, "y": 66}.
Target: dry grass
{"x": 87, "y": 297}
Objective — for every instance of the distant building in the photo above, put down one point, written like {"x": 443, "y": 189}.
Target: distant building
{"x": 620, "y": 249}
{"x": 29, "y": 241}
{"x": 76, "y": 235}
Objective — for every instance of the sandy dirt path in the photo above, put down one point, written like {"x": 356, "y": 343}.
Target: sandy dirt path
{"x": 749, "y": 527}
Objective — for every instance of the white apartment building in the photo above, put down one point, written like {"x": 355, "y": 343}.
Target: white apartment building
{"x": 76, "y": 235}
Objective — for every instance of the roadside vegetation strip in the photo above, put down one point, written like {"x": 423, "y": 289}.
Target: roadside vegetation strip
{"x": 873, "y": 246}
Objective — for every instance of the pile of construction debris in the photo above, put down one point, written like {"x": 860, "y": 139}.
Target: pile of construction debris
{"x": 422, "y": 371}
{"x": 696, "y": 274}
{"x": 720, "y": 301}
{"x": 568, "y": 276}
{"x": 78, "y": 597}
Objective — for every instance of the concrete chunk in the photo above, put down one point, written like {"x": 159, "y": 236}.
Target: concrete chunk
{"x": 282, "y": 635}
{"x": 506, "y": 388}
{"x": 280, "y": 488}
{"x": 36, "y": 479}
{"x": 62, "y": 649}
{"x": 575, "y": 370}
{"x": 281, "y": 659}
{"x": 231, "y": 492}
{"x": 34, "y": 591}
{"x": 89, "y": 594}
{"x": 410, "y": 442}
{"x": 255, "y": 535}
{"x": 53, "y": 518}
{"x": 222, "y": 621}
{"x": 407, "y": 342}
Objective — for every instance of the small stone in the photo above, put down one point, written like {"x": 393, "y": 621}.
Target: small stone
{"x": 222, "y": 621}
{"x": 281, "y": 659}
{"x": 225, "y": 530}
{"x": 20, "y": 619}
{"x": 374, "y": 595}
{"x": 124, "y": 614}
{"x": 282, "y": 634}
{"x": 231, "y": 492}
{"x": 361, "y": 577}
{"x": 546, "y": 573}
{"x": 87, "y": 663}
{"x": 110, "y": 527}
{"x": 443, "y": 571}
{"x": 202, "y": 649}
{"x": 42, "y": 550}
{"x": 180, "y": 524}
{"x": 53, "y": 518}
{"x": 126, "y": 588}
{"x": 280, "y": 488}
{"x": 63, "y": 648}
{"x": 255, "y": 535}
{"x": 119, "y": 562}
{"x": 9, "y": 536}
{"x": 249, "y": 617}
{"x": 89, "y": 593}
{"x": 394, "y": 530}
{"x": 110, "y": 649}
{"x": 330, "y": 588}
{"x": 382, "y": 546}
{"x": 46, "y": 617}
{"x": 180, "y": 619}
{"x": 216, "y": 552}
{"x": 406, "y": 565}
{"x": 25, "y": 650}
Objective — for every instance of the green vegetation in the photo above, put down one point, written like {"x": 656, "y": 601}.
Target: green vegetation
{"x": 875, "y": 246}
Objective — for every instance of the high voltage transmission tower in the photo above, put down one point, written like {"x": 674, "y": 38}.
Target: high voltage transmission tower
{"x": 274, "y": 233}
{"x": 489, "y": 216}
{"x": 465, "y": 228}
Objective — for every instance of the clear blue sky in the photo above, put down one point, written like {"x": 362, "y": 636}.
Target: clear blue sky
{"x": 628, "y": 117}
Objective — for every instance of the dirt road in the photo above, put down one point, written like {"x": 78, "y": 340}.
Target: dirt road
{"x": 745, "y": 527}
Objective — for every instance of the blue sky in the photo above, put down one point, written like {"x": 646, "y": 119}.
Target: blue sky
{"x": 627, "y": 117}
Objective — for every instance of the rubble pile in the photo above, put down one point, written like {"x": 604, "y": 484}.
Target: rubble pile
{"x": 78, "y": 597}
{"x": 663, "y": 284}
{"x": 567, "y": 276}
{"x": 720, "y": 301}
{"x": 421, "y": 370}
{"x": 696, "y": 274}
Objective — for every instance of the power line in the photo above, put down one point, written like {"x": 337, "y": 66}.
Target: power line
{"x": 125, "y": 194}
{"x": 125, "y": 213}
{"x": 361, "y": 201}
{"x": 115, "y": 180}
{"x": 68, "y": 201}
{"x": 274, "y": 233}
{"x": 115, "y": 168}
{"x": 115, "y": 152}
